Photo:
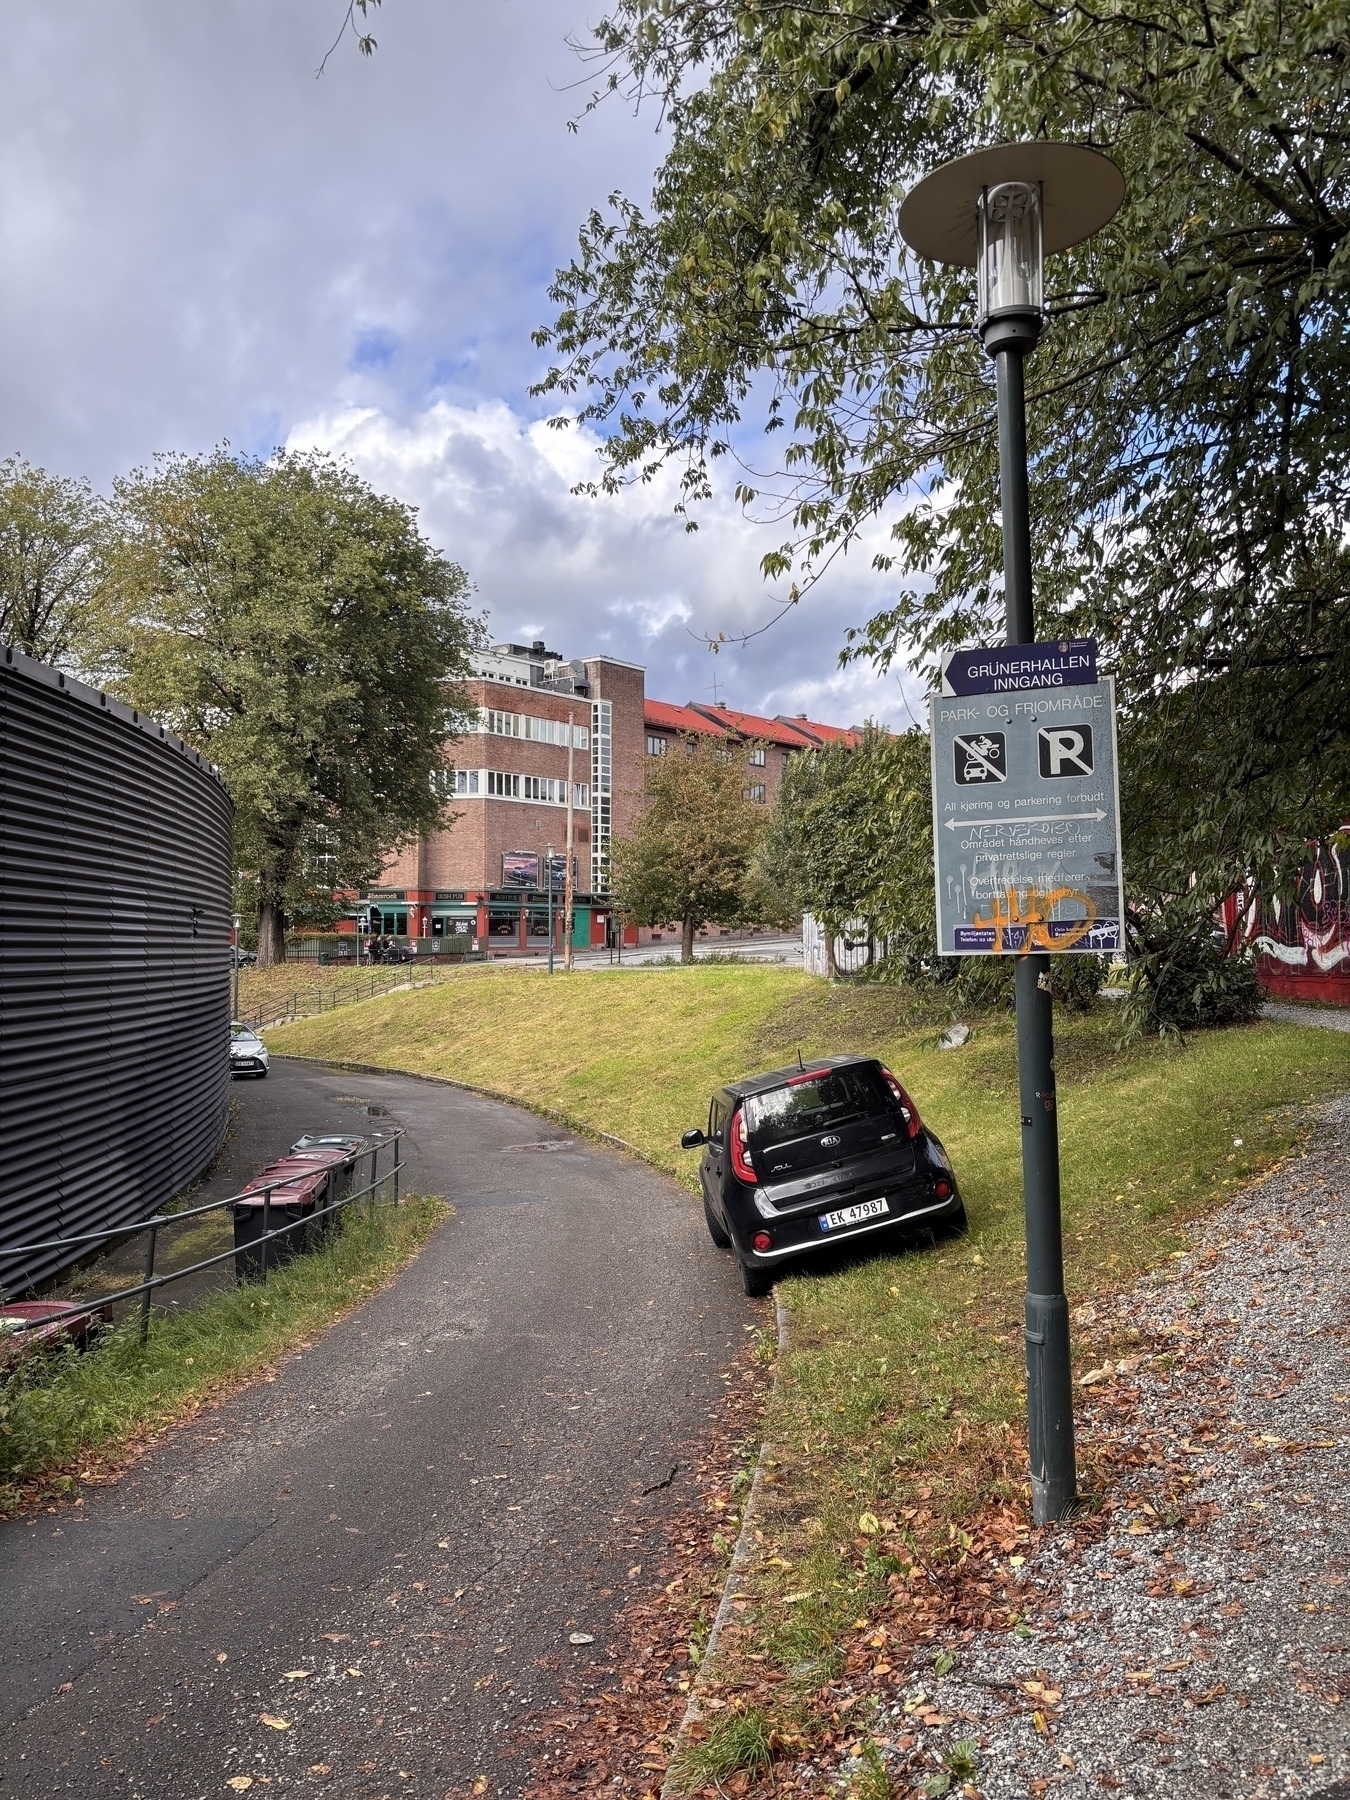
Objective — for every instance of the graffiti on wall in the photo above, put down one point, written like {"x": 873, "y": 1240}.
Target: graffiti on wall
{"x": 1311, "y": 932}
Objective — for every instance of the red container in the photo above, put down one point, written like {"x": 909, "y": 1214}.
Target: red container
{"x": 78, "y": 1327}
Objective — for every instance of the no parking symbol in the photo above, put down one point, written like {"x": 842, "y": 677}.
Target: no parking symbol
{"x": 1065, "y": 751}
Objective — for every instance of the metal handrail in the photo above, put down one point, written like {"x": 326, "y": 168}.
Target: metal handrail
{"x": 151, "y": 1282}
{"x": 280, "y": 1012}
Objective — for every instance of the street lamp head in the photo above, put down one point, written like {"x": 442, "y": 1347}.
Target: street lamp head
{"x": 1001, "y": 211}
{"x": 1010, "y": 256}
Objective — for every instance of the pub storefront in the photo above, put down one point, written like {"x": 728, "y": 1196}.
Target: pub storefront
{"x": 442, "y": 923}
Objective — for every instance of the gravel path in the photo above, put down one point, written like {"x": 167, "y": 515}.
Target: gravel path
{"x": 1194, "y": 1639}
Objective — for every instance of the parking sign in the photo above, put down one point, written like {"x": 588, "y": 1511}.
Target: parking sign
{"x": 1026, "y": 821}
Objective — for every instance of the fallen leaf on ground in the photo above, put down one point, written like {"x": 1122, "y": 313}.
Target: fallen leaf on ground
{"x": 272, "y": 1720}
{"x": 297, "y": 1674}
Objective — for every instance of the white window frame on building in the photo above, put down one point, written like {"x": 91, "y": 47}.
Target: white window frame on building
{"x": 534, "y": 729}
{"x": 757, "y": 757}
{"x": 657, "y": 746}
{"x": 757, "y": 792}
{"x": 602, "y": 776}
{"x": 498, "y": 784}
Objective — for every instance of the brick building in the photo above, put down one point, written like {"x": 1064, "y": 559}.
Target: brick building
{"x": 773, "y": 741}
{"x": 486, "y": 878}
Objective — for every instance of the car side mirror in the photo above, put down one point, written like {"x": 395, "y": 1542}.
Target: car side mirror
{"x": 692, "y": 1139}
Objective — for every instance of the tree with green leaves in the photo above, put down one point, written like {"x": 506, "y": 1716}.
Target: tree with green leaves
{"x": 50, "y": 529}
{"x": 297, "y": 628}
{"x": 1190, "y": 450}
{"x": 690, "y": 851}
{"x": 851, "y": 838}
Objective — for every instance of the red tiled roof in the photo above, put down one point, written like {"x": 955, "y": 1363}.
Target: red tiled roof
{"x": 815, "y": 733}
{"x": 750, "y": 725}
{"x": 660, "y": 715}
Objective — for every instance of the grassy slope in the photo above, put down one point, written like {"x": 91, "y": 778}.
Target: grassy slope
{"x": 633, "y": 1054}
{"x": 904, "y": 1384}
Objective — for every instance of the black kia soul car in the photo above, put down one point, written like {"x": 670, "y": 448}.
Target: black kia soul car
{"x": 801, "y": 1158}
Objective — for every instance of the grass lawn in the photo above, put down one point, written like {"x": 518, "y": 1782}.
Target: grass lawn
{"x": 311, "y": 986}
{"x": 67, "y": 1418}
{"x": 902, "y": 1398}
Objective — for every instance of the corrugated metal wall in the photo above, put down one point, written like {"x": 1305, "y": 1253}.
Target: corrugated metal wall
{"x": 115, "y": 865}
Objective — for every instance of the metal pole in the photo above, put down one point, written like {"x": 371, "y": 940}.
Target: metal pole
{"x": 398, "y": 1166}
{"x": 550, "y": 907}
{"x": 1054, "y": 1481}
{"x": 149, "y": 1272}
{"x": 267, "y": 1226}
{"x": 569, "y": 896}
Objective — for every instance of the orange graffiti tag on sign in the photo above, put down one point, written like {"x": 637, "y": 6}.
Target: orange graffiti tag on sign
{"x": 1033, "y": 913}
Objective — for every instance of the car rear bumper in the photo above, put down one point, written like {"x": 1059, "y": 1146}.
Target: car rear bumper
{"x": 798, "y": 1234}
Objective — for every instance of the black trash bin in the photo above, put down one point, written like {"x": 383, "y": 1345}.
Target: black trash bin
{"x": 293, "y": 1204}
{"x": 342, "y": 1154}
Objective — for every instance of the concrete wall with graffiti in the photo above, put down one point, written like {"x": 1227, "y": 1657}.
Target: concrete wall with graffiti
{"x": 1303, "y": 944}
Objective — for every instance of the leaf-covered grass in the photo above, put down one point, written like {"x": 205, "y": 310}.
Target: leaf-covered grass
{"x": 65, "y": 1417}
{"x": 902, "y": 1397}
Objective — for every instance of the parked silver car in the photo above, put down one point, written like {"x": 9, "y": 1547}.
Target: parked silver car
{"x": 248, "y": 1053}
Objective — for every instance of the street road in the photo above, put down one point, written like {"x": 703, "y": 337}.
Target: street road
{"x": 755, "y": 949}
{"x": 419, "y": 1510}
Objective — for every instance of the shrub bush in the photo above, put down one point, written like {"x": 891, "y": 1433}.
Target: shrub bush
{"x": 1189, "y": 981}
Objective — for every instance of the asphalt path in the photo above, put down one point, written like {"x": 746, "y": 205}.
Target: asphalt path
{"x": 420, "y": 1511}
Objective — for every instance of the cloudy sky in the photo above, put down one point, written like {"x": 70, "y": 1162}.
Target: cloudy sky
{"x": 200, "y": 241}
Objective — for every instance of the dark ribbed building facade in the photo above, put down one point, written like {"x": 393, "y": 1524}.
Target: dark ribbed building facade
{"x": 115, "y": 884}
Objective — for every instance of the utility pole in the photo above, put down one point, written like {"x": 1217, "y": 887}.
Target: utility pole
{"x": 569, "y": 896}
{"x": 549, "y": 878}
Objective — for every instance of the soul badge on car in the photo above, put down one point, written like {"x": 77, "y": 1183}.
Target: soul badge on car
{"x": 1026, "y": 808}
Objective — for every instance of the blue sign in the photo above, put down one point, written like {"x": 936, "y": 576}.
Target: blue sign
{"x": 1009, "y": 667}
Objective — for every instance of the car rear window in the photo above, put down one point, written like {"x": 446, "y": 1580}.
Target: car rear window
{"x": 816, "y": 1102}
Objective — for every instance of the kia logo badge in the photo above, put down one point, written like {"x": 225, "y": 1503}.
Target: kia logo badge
{"x": 827, "y": 1141}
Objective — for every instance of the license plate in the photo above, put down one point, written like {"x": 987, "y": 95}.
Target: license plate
{"x": 853, "y": 1215}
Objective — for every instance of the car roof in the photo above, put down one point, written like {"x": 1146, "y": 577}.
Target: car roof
{"x": 745, "y": 1085}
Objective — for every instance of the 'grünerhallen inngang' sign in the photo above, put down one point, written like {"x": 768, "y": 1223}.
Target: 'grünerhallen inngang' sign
{"x": 1026, "y": 809}
{"x": 1072, "y": 662}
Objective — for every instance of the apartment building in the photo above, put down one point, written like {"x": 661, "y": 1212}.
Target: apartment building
{"x": 554, "y": 736}
{"x": 773, "y": 742}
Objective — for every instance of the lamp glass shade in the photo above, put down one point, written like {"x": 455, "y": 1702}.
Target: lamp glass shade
{"x": 1010, "y": 256}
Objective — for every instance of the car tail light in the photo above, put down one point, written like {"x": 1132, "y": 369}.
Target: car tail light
{"x": 762, "y": 1241}
{"x": 942, "y": 1189}
{"x": 742, "y": 1167}
{"x": 910, "y": 1112}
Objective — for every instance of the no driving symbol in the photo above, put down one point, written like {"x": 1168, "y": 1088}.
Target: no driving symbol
{"x": 979, "y": 757}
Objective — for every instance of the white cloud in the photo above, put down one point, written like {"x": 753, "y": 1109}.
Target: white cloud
{"x": 616, "y": 573}
{"x": 201, "y": 242}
